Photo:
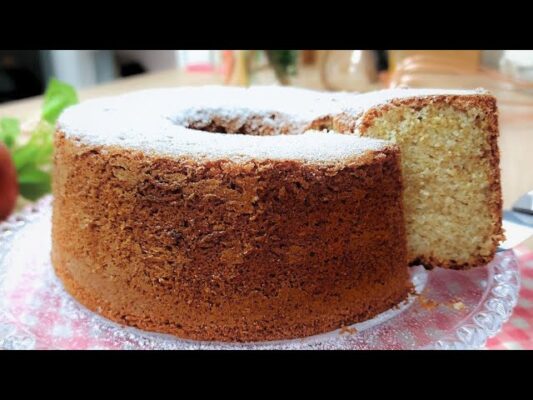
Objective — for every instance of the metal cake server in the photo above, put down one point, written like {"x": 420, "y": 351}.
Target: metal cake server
{"x": 518, "y": 222}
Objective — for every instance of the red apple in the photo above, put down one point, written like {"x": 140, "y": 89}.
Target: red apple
{"x": 9, "y": 188}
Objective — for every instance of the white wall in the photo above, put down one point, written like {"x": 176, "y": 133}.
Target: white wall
{"x": 82, "y": 68}
{"x": 188, "y": 57}
{"x": 159, "y": 60}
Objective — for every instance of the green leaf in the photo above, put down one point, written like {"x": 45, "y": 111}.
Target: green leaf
{"x": 33, "y": 159}
{"x": 58, "y": 96}
{"x": 31, "y": 174}
{"x": 33, "y": 191}
{"x": 43, "y": 139}
{"x": 9, "y": 131}
{"x": 283, "y": 61}
{"x": 25, "y": 155}
{"x": 38, "y": 150}
{"x": 33, "y": 182}
{"x": 44, "y": 156}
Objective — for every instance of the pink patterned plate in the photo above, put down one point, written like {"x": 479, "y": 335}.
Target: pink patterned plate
{"x": 452, "y": 309}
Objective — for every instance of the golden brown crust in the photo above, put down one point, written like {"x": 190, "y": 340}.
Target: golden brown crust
{"x": 462, "y": 103}
{"x": 218, "y": 250}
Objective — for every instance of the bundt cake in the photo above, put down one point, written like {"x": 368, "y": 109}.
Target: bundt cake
{"x": 229, "y": 214}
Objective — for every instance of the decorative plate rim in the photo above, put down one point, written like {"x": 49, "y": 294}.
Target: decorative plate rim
{"x": 472, "y": 332}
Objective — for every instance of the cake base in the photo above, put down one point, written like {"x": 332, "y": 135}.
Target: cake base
{"x": 454, "y": 309}
{"x": 223, "y": 333}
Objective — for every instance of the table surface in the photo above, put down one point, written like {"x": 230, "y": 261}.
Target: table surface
{"x": 516, "y": 115}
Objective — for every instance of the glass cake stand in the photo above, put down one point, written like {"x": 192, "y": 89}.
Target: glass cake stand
{"x": 451, "y": 309}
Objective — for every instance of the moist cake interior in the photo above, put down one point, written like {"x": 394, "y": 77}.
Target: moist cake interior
{"x": 450, "y": 164}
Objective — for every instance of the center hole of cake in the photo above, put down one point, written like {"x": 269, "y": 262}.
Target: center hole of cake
{"x": 229, "y": 122}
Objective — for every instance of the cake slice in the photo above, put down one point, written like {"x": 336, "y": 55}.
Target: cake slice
{"x": 450, "y": 162}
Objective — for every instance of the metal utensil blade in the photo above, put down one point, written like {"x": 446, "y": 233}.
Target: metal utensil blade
{"x": 518, "y": 228}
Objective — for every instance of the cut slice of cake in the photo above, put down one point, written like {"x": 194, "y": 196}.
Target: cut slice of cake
{"x": 450, "y": 162}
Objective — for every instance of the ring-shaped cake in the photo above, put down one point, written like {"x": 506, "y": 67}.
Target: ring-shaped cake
{"x": 232, "y": 214}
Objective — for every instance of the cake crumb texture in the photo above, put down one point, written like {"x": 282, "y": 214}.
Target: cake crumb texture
{"x": 450, "y": 161}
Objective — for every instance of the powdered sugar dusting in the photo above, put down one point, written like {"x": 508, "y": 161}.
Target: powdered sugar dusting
{"x": 360, "y": 103}
{"x": 157, "y": 120}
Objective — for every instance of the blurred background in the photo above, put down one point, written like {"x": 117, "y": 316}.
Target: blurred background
{"x": 25, "y": 73}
